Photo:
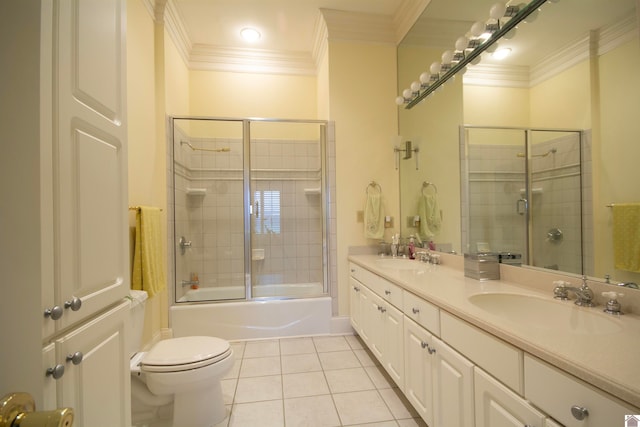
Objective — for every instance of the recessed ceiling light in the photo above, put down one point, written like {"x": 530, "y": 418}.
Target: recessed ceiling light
{"x": 250, "y": 34}
{"x": 501, "y": 53}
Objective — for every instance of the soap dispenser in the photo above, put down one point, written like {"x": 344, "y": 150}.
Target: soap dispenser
{"x": 412, "y": 248}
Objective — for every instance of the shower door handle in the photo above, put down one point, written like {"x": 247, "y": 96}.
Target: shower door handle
{"x": 257, "y": 210}
{"x": 521, "y": 206}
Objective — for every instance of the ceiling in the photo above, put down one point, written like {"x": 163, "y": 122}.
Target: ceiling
{"x": 291, "y": 29}
{"x": 207, "y": 32}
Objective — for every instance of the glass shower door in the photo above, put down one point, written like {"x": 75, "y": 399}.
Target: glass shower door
{"x": 287, "y": 209}
{"x": 523, "y": 195}
{"x": 497, "y": 201}
{"x": 208, "y": 158}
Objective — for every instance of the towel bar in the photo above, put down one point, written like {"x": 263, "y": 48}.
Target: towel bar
{"x": 135, "y": 208}
{"x": 374, "y": 185}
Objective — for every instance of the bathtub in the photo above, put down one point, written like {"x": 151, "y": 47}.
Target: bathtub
{"x": 239, "y": 320}
{"x": 223, "y": 293}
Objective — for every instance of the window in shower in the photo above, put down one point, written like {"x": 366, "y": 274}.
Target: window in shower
{"x": 266, "y": 210}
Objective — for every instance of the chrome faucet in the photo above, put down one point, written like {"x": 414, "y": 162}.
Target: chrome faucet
{"x": 584, "y": 294}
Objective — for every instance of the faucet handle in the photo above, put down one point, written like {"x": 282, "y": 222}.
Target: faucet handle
{"x": 612, "y": 306}
{"x": 560, "y": 290}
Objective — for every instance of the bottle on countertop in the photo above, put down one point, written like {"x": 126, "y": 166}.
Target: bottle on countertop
{"x": 412, "y": 248}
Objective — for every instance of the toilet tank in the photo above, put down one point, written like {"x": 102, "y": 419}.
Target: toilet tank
{"x": 136, "y": 313}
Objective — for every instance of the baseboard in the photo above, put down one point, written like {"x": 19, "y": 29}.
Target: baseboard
{"x": 341, "y": 325}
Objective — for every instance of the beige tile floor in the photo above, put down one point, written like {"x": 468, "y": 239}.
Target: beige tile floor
{"x": 311, "y": 381}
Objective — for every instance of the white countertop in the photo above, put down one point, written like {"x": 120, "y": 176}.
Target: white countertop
{"x": 608, "y": 361}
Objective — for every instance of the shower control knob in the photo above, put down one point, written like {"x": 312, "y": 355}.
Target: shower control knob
{"x": 56, "y": 372}
{"x": 54, "y": 312}
{"x": 74, "y": 304}
{"x": 75, "y": 358}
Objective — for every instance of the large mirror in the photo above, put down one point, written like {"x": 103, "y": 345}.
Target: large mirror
{"x": 574, "y": 68}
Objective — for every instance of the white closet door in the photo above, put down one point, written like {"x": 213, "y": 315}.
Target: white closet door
{"x": 90, "y": 156}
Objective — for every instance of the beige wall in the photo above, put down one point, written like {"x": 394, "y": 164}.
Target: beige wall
{"x": 615, "y": 157}
{"x": 228, "y": 94}
{"x": 362, "y": 87}
{"x": 147, "y": 147}
{"x": 433, "y": 125}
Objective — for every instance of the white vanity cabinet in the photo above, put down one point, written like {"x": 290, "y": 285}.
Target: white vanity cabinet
{"x": 419, "y": 362}
{"x": 567, "y": 398}
{"x": 379, "y": 323}
{"x": 439, "y": 381}
{"x": 496, "y": 405}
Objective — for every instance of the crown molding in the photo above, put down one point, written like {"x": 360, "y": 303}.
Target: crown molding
{"x": 406, "y": 16}
{"x": 213, "y": 58}
{"x": 358, "y": 27}
{"x": 320, "y": 41}
{"x": 497, "y": 75}
{"x": 174, "y": 25}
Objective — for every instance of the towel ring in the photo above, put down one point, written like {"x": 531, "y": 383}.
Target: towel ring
{"x": 373, "y": 185}
{"x": 427, "y": 184}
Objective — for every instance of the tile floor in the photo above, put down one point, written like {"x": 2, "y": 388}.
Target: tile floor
{"x": 313, "y": 382}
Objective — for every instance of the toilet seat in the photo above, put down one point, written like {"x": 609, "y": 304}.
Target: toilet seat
{"x": 185, "y": 353}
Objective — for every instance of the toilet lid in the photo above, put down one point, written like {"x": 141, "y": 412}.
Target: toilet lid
{"x": 179, "y": 354}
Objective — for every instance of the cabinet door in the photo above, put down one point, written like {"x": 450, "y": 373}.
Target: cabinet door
{"x": 394, "y": 343}
{"x": 354, "y": 305}
{"x": 453, "y": 387}
{"x": 497, "y": 406}
{"x": 98, "y": 387}
{"x": 90, "y": 156}
{"x": 418, "y": 364}
{"x": 373, "y": 320}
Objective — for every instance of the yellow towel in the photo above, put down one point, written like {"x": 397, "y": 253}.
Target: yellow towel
{"x": 430, "y": 219}
{"x": 626, "y": 236}
{"x": 373, "y": 217}
{"x": 148, "y": 257}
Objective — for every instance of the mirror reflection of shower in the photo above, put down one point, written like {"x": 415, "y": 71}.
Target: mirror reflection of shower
{"x": 249, "y": 209}
{"x": 522, "y": 195}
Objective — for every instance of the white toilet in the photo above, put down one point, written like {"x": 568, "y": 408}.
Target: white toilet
{"x": 186, "y": 371}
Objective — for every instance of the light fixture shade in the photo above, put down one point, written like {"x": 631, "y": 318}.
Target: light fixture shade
{"x": 425, "y": 77}
{"x": 462, "y": 43}
{"x": 532, "y": 17}
{"x": 447, "y": 57}
{"x": 477, "y": 29}
{"x": 435, "y": 68}
{"x": 399, "y": 100}
{"x": 407, "y": 93}
{"x": 415, "y": 86}
{"x": 492, "y": 48}
{"x": 497, "y": 10}
{"x": 510, "y": 34}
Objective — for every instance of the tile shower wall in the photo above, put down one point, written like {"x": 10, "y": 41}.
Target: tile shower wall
{"x": 496, "y": 182}
{"x": 207, "y": 195}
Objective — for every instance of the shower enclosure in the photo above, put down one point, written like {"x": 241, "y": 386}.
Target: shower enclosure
{"x": 525, "y": 194}
{"x": 249, "y": 208}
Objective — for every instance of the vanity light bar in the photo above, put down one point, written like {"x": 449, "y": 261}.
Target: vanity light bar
{"x": 475, "y": 53}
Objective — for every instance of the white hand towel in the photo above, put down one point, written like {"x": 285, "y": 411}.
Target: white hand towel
{"x": 373, "y": 217}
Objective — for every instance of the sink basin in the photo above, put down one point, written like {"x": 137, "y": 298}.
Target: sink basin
{"x": 400, "y": 264}
{"x": 542, "y": 313}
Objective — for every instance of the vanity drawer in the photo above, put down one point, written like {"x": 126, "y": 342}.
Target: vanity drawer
{"x": 389, "y": 292}
{"x": 422, "y": 312}
{"x": 556, "y": 392}
{"x": 386, "y": 290}
{"x": 502, "y": 360}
